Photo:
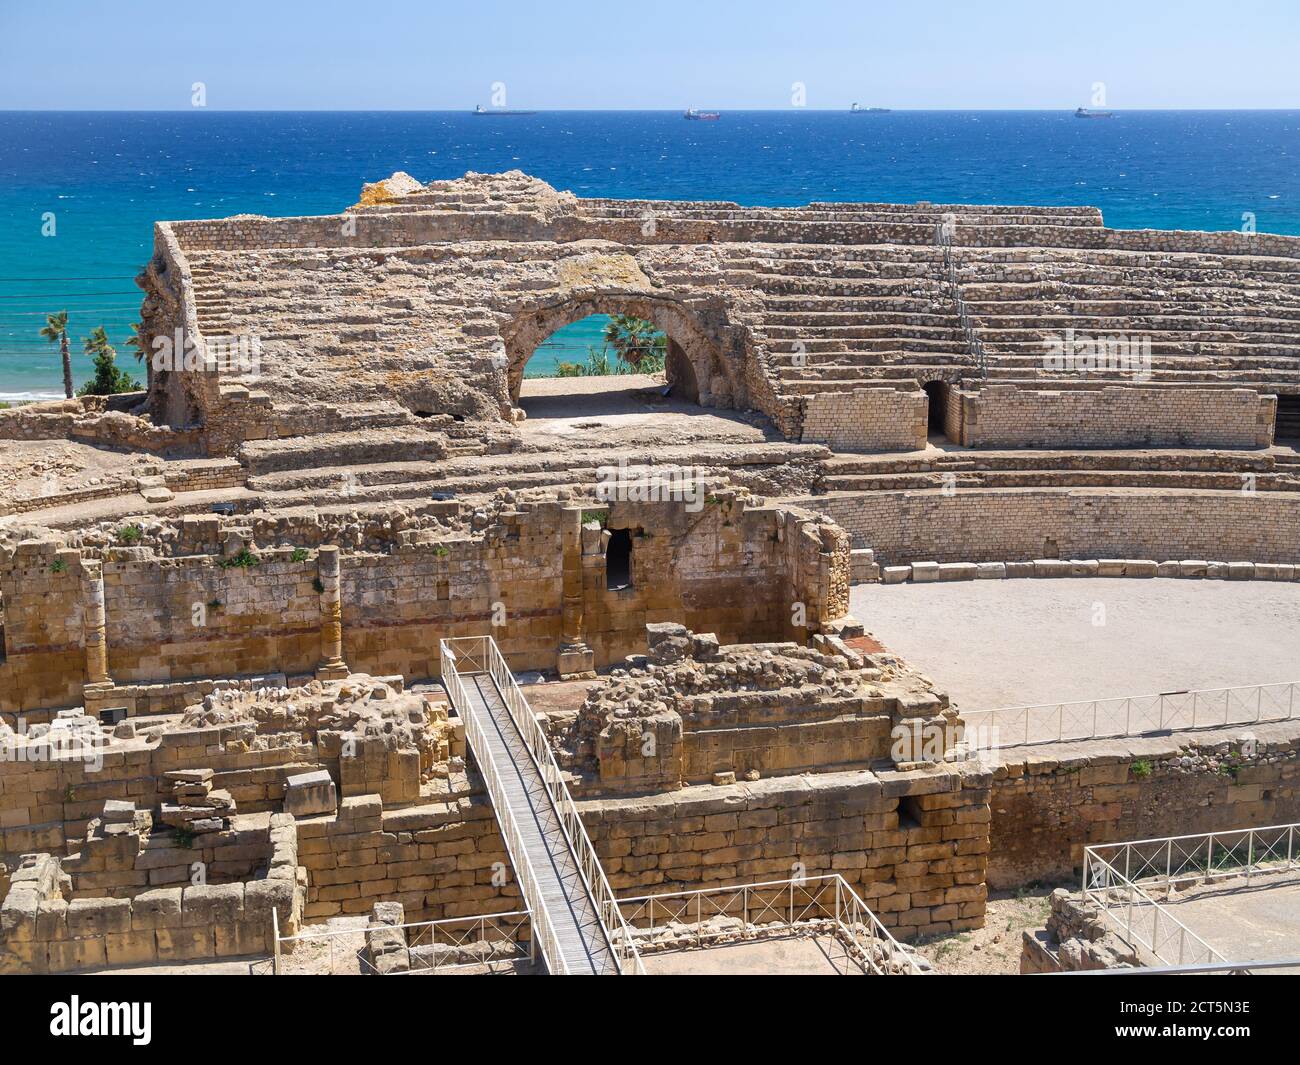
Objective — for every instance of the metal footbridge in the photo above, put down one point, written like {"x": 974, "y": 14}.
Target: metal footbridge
{"x": 577, "y": 924}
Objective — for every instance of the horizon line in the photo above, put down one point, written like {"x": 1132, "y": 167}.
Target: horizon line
{"x": 503, "y": 112}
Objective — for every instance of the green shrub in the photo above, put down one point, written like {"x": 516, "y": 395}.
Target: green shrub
{"x": 58, "y": 566}
{"x": 244, "y": 560}
{"x": 129, "y": 534}
{"x": 299, "y": 555}
{"x": 1141, "y": 769}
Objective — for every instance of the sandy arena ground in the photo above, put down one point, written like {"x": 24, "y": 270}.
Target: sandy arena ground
{"x": 1018, "y": 642}
{"x": 625, "y": 411}
{"x": 1245, "y": 922}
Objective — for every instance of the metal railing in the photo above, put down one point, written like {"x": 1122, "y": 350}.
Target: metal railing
{"x": 543, "y": 927}
{"x": 1226, "y": 968}
{"x": 1133, "y": 715}
{"x": 1173, "y": 862}
{"x": 1140, "y": 920}
{"x": 481, "y": 654}
{"x": 792, "y": 905}
{"x": 482, "y": 942}
{"x": 974, "y": 345}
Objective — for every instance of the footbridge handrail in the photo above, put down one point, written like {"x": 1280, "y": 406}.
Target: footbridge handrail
{"x": 484, "y": 655}
{"x": 1133, "y": 715}
{"x": 543, "y": 928}
{"x": 1139, "y": 919}
{"x": 1228, "y": 854}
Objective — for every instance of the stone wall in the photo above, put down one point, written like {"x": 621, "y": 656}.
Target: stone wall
{"x": 913, "y": 844}
{"x": 867, "y": 419}
{"x": 1049, "y": 803}
{"x": 46, "y": 928}
{"x": 728, "y": 566}
{"x": 970, "y": 525}
{"x": 1113, "y": 416}
{"x": 441, "y": 860}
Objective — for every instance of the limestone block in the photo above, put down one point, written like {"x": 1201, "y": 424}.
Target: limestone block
{"x": 97, "y": 917}
{"x": 990, "y": 571}
{"x": 895, "y": 574}
{"x": 925, "y": 572}
{"x": 1169, "y": 569}
{"x": 156, "y": 908}
{"x": 1140, "y": 567}
{"x": 72, "y": 955}
{"x": 957, "y": 571}
{"x": 130, "y": 948}
{"x": 310, "y": 794}
{"x": 1051, "y": 567}
{"x": 1241, "y": 571}
{"x": 1193, "y": 567}
{"x": 1020, "y": 569}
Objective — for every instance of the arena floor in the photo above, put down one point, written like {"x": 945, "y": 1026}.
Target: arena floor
{"x": 1017, "y": 642}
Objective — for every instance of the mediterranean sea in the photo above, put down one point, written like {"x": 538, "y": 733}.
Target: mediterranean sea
{"x": 79, "y": 191}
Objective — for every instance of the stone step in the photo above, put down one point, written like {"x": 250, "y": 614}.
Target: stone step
{"x": 356, "y": 447}
{"x": 1047, "y": 478}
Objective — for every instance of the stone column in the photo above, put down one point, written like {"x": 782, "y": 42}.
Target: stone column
{"x": 575, "y": 658}
{"x": 93, "y": 623}
{"x": 332, "y": 666}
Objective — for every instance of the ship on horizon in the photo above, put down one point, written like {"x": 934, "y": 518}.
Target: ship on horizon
{"x": 858, "y": 109}
{"x": 481, "y": 110}
{"x": 1083, "y": 112}
{"x": 694, "y": 115}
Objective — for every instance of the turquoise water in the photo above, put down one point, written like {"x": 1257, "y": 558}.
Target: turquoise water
{"x": 106, "y": 176}
{"x": 569, "y": 344}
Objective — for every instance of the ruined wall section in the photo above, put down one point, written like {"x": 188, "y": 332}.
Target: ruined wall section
{"x": 206, "y": 597}
{"x": 1047, "y": 805}
{"x": 867, "y": 419}
{"x": 1114, "y": 416}
{"x": 990, "y": 525}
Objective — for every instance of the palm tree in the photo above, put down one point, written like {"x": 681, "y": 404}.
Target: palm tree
{"x": 108, "y": 379}
{"x": 137, "y": 342}
{"x": 55, "y": 331}
{"x": 636, "y": 342}
{"x": 134, "y": 341}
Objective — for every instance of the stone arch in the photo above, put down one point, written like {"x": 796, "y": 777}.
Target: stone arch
{"x": 696, "y": 366}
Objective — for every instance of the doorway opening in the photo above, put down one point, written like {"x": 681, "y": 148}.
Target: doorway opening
{"x": 1287, "y": 424}
{"x": 936, "y": 392}
{"x": 618, "y": 560}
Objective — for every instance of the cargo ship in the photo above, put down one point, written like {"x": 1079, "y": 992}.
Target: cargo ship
{"x": 1083, "y": 112}
{"x": 692, "y": 115}
{"x": 858, "y": 109}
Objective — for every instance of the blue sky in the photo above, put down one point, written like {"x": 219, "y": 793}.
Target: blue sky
{"x": 432, "y": 55}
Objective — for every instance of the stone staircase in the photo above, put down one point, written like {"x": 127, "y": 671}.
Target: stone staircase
{"x": 483, "y": 474}
{"x": 1181, "y": 469}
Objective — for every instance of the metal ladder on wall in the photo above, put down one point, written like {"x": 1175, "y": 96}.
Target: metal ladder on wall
{"x": 974, "y": 346}
{"x": 576, "y": 920}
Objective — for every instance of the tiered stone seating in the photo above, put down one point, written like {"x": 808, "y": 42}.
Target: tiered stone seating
{"x": 1173, "y": 468}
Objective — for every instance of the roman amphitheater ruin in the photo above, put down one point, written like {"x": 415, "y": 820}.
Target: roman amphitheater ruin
{"x": 346, "y": 647}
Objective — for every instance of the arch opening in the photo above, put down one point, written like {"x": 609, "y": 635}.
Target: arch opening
{"x": 936, "y": 393}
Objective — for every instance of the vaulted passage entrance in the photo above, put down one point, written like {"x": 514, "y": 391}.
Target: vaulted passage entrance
{"x": 1288, "y": 418}
{"x": 937, "y": 393}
